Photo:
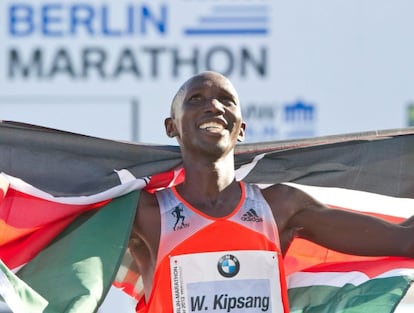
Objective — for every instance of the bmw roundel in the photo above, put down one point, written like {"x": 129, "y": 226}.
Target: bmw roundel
{"x": 228, "y": 265}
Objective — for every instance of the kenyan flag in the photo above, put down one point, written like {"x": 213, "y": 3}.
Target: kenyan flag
{"x": 67, "y": 202}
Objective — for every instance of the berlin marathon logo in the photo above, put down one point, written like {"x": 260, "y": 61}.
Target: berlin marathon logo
{"x": 107, "y": 41}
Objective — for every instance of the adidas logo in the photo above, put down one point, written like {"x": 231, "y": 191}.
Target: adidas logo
{"x": 251, "y": 216}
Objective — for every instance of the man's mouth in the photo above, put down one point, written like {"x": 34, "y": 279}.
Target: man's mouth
{"x": 212, "y": 127}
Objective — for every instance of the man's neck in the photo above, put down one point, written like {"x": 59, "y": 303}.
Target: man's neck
{"x": 211, "y": 187}
{"x": 210, "y": 176}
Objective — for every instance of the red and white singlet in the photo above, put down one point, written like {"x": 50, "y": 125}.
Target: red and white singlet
{"x": 228, "y": 264}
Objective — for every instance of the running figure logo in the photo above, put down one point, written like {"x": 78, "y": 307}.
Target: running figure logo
{"x": 177, "y": 213}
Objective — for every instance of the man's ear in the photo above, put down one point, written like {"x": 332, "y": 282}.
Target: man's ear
{"x": 240, "y": 138}
{"x": 170, "y": 127}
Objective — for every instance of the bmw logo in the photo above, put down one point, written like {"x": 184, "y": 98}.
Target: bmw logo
{"x": 228, "y": 265}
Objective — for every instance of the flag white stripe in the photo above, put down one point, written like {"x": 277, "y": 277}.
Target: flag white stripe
{"x": 339, "y": 279}
{"x": 117, "y": 191}
{"x": 358, "y": 200}
{"x": 10, "y": 294}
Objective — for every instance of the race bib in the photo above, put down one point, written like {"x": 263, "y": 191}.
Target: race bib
{"x": 230, "y": 281}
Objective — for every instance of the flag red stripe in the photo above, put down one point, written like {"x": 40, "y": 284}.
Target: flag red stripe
{"x": 25, "y": 232}
{"x": 22, "y": 250}
{"x": 14, "y": 209}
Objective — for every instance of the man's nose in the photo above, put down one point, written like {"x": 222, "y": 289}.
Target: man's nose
{"x": 214, "y": 105}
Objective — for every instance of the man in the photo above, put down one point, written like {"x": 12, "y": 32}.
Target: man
{"x": 228, "y": 224}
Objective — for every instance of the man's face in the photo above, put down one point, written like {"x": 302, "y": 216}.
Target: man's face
{"x": 207, "y": 115}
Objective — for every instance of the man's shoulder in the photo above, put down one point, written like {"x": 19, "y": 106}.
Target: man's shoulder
{"x": 273, "y": 189}
{"x": 282, "y": 189}
{"x": 284, "y": 197}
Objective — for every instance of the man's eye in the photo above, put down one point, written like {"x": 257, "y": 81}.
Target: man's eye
{"x": 195, "y": 98}
{"x": 227, "y": 101}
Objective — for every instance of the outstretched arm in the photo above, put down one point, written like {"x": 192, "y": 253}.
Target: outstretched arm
{"x": 300, "y": 215}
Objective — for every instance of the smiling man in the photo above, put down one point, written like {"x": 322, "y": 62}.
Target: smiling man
{"x": 227, "y": 256}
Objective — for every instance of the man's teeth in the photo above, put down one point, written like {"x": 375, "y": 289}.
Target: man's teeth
{"x": 211, "y": 126}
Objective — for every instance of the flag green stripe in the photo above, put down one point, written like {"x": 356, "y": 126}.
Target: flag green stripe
{"x": 380, "y": 295}
{"x": 75, "y": 272}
